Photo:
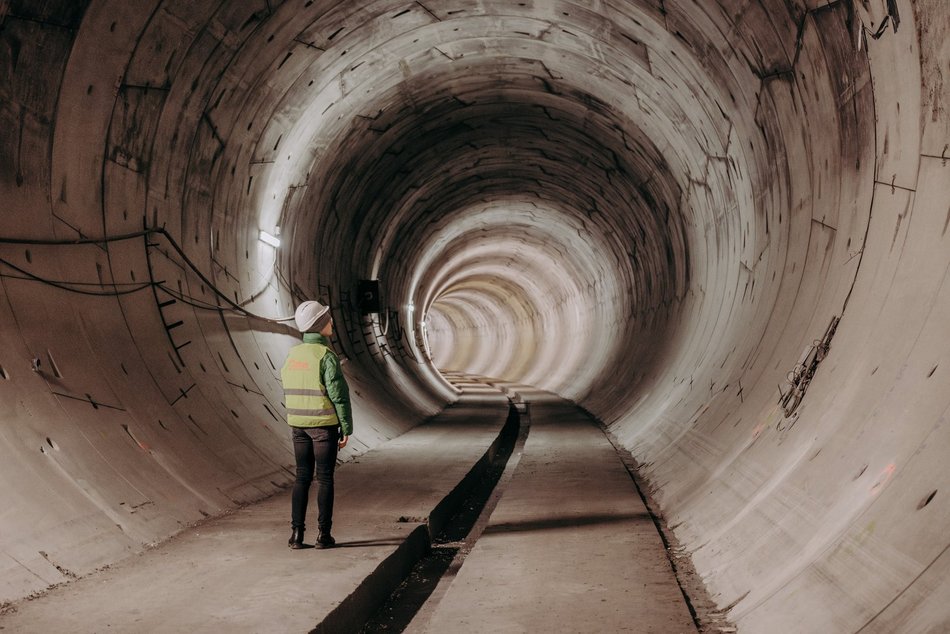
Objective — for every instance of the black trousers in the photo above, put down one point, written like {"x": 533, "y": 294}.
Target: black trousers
{"x": 315, "y": 449}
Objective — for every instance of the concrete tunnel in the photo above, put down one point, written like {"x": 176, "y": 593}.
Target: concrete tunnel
{"x": 720, "y": 226}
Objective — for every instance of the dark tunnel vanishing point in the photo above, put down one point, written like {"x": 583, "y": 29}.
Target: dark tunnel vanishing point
{"x": 721, "y": 226}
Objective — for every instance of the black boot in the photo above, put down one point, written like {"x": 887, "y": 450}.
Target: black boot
{"x": 296, "y": 538}
{"x": 325, "y": 540}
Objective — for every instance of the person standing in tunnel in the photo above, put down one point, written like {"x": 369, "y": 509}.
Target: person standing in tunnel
{"x": 320, "y": 418}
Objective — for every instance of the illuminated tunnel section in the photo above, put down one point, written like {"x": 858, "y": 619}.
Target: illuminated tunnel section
{"x": 720, "y": 226}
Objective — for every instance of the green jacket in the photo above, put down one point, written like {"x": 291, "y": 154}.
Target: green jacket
{"x": 315, "y": 390}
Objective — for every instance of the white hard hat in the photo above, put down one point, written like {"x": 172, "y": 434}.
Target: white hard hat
{"x": 310, "y": 314}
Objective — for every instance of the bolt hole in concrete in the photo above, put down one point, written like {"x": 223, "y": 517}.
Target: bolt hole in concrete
{"x": 927, "y": 500}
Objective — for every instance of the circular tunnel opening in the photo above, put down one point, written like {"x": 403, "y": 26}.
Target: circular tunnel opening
{"x": 533, "y": 223}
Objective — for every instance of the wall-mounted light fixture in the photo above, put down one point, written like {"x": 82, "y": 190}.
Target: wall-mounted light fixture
{"x": 267, "y": 238}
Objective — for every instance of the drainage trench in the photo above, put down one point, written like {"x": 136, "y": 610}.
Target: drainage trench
{"x": 413, "y": 601}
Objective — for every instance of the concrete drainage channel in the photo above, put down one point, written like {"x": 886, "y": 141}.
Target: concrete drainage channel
{"x": 413, "y": 602}
{"x": 398, "y": 590}
{"x": 406, "y": 589}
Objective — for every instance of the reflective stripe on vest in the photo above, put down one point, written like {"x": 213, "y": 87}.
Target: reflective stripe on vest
{"x": 304, "y": 392}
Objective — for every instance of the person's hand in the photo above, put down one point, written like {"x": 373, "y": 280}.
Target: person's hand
{"x": 343, "y": 441}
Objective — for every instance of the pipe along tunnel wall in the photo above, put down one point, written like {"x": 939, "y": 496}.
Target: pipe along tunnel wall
{"x": 675, "y": 213}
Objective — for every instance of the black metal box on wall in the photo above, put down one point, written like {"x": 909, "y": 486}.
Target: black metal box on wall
{"x": 368, "y": 293}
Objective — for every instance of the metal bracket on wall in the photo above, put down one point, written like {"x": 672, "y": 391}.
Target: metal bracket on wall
{"x": 801, "y": 375}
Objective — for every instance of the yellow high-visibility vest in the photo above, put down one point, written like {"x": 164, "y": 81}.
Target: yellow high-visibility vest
{"x": 304, "y": 392}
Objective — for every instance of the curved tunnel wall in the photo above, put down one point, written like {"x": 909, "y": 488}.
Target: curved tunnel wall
{"x": 655, "y": 210}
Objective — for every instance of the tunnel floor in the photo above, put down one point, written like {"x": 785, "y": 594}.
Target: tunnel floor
{"x": 567, "y": 545}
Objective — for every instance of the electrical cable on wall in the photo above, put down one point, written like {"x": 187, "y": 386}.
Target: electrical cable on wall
{"x": 68, "y": 286}
{"x": 183, "y": 297}
{"x": 234, "y": 305}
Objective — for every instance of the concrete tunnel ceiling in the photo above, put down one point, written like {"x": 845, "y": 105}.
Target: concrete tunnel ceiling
{"x": 658, "y": 209}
